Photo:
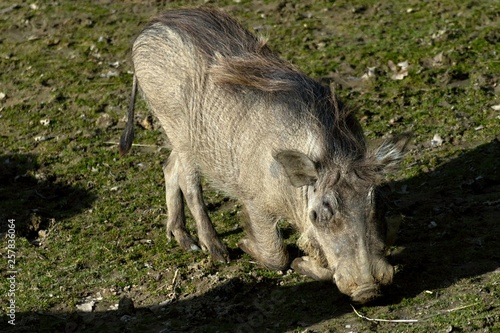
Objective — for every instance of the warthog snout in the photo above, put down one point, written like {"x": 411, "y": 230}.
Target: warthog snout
{"x": 364, "y": 288}
{"x": 365, "y": 293}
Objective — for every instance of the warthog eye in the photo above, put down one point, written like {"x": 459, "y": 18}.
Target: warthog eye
{"x": 327, "y": 206}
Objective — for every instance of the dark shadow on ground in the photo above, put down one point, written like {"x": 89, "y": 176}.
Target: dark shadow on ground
{"x": 233, "y": 306}
{"x": 451, "y": 226}
{"x": 450, "y": 231}
{"x": 35, "y": 199}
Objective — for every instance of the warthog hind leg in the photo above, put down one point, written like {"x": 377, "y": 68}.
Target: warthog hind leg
{"x": 207, "y": 236}
{"x": 176, "y": 220}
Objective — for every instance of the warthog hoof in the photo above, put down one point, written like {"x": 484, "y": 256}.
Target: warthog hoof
{"x": 217, "y": 250}
{"x": 307, "y": 266}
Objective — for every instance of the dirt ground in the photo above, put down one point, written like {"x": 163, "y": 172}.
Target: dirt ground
{"x": 446, "y": 199}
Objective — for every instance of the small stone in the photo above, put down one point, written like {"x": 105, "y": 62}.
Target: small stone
{"x": 438, "y": 59}
{"x": 42, "y": 233}
{"x": 126, "y": 318}
{"x": 86, "y": 307}
{"x": 432, "y": 225}
{"x": 370, "y": 72}
{"x": 147, "y": 123}
{"x": 399, "y": 74}
{"x": 53, "y": 41}
{"x": 449, "y": 329}
{"x": 104, "y": 121}
{"x": 404, "y": 64}
{"x": 436, "y": 140}
{"x": 110, "y": 73}
{"x": 10, "y": 8}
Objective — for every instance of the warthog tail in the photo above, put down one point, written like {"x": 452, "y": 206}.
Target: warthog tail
{"x": 128, "y": 133}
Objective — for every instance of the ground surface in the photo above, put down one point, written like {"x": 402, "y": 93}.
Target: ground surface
{"x": 90, "y": 249}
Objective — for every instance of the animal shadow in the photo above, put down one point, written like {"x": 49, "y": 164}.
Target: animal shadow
{"x": 34, "y": 198}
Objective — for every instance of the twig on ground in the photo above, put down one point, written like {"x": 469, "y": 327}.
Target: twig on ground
{"x": 175, "y": 277}
{"x": 384, "y": 320}
{"x": 171, "y": 286}
{"x": 460, "y": 307}
{"x": 165, "y": 286}
{"x": 412, "y": 320}
{"x": 451, "y": 310}
{"x": 133, "y": 145}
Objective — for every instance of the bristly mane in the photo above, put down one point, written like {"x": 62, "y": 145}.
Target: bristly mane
{"x": 237, "y": 58}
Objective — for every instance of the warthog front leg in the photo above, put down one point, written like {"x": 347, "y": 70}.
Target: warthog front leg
{"x": 176, "y": 220}
{"x": 307, "y": 266}
{"x": 263, "y": 241}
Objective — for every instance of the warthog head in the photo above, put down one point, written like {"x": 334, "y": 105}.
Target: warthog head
{"x": 345, "y": 228}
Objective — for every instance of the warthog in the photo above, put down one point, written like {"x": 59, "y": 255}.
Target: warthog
{"x": 268, "y": 135}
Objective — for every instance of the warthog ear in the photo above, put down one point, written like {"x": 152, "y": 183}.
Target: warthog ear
{"x": 300, "y": 169}
{"x": 392, "y": 150}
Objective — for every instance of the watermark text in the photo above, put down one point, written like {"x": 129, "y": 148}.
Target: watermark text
{"x": 11, "y": 270}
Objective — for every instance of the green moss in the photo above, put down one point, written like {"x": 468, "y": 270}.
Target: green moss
{"x": 103, "y": 214}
